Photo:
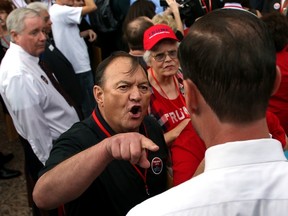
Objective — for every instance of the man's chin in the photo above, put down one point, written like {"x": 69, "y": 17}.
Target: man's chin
{"x": 133, "y": 127}
{"x": 40, "y": 51}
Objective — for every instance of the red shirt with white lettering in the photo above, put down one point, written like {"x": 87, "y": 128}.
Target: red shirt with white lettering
{"x": 188, "y": 149}
{"x": 168, "y": 113}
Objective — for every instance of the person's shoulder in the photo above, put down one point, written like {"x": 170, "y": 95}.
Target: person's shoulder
{"x": 80, "y": 133}
{"x": 80, "y": 127}
{"x": 186, "y": 198}
{"x": 76, "y": 139}
{"x": 166, "y": 203}
{"x": 13, "y": 63}
{"x": 57, "y": 6}
{"x": 59, "y": 10}
{"x": 54, "y": 7}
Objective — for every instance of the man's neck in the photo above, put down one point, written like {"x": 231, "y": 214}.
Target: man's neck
{"x": 228, "y": 132}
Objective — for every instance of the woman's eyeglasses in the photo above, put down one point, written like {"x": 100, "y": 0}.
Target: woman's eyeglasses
{"x": 160, "y": 57}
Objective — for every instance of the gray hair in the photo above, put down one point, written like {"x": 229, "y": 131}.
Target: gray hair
{"x": 146, "y": 57}
{"x": 15, "y": 20}
{"x": 147, "y": 54}
{"x": 38, "y": 6}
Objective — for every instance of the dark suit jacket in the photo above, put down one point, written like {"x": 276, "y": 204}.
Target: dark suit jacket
{"x": 63, "y": 70}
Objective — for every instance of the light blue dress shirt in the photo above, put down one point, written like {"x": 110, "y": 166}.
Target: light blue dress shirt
{"x": 158, "y": 9}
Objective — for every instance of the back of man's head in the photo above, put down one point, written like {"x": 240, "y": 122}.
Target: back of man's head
{"x": 134, "y": 31}
{"x": 230, "y": 57}
{"x": 38, "y": 6}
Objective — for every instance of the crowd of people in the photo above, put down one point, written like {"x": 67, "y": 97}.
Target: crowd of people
{"x": 179, "y": 119}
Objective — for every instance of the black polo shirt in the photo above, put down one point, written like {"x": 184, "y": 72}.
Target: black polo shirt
{"x": 120, "y": 187}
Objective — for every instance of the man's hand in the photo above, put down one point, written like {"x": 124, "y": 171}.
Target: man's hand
{"x": 90, "y": 34}
{"x": 131, "y": 147}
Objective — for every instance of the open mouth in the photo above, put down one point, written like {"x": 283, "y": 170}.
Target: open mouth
{"x": 135, "y": 110}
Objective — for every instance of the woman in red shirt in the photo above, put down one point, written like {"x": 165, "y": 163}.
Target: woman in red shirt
{"x": 167, "y": 102}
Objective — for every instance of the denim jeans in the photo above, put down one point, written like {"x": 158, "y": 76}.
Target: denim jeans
{"x": 86, "y": 84}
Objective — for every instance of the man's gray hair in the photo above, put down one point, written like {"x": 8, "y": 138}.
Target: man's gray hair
{"x": 15, "y": 20}
{"x": 38, "y": 6}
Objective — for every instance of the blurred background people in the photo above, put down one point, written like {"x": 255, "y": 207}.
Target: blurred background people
{"x": 68, "y": 40}
{"x": 5, "y": 8}
{"x": 277, "y": 25}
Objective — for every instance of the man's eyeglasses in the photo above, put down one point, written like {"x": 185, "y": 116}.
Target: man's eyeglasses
{"x": 160, "y": 57}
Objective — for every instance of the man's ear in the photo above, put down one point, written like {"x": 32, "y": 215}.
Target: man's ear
{"x": 277, "y": 80}
{"x": 191, "y": 96}
{"x": 98, "y": 95}
{"x": 14, "y": 36}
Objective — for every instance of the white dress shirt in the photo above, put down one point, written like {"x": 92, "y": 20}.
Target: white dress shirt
{"x": 247, "y": 178}
{"x": 158, "y": 7}
{"x": 39, "y": 112}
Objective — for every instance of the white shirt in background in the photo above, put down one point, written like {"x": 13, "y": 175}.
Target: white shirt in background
{"x": 40, "y": 113}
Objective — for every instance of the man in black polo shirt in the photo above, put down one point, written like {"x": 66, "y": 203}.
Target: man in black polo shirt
{"x": 107, "y": 163}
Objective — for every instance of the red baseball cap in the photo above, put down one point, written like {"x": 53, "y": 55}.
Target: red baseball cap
{"x": 156, "y": 33}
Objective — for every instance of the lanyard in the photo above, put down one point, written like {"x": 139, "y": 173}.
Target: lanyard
{"x": 165, "y": 95}
{"x": 143, "y": 176}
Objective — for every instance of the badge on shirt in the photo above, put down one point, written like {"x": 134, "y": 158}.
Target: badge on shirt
{"x": 44, "y": 79}
{"x": 51, "y": 47}
{"x": 276, "y": 6}
{"x": 157, "y": 165}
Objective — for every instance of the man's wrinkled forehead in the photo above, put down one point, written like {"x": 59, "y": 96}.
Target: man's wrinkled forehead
{"x": 122, "y": 67}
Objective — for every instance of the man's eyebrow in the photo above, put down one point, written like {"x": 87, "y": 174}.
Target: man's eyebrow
{"x": 122, "y": 81}
{"x": 34, "y": 30}
{"x": 144, "y": 82}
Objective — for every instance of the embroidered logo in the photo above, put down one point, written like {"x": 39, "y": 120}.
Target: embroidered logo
{"x": 157, "y": 165}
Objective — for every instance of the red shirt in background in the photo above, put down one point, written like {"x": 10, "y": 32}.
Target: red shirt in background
{"x": 278, "y": 103}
